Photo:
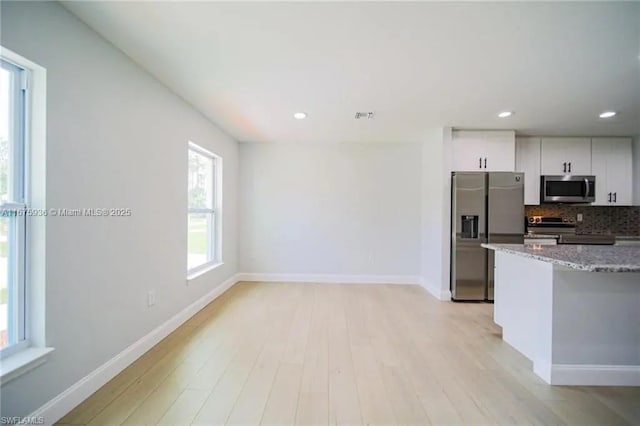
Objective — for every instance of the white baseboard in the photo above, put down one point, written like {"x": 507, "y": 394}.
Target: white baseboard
{"x": 595, "y": 375}
{"x": 66, "y": 401}
{"x": 541, "y": 368}
{"x": 330, "y": 278}
{"x": 437, "y": 292}
{"x": 445, "y": 295}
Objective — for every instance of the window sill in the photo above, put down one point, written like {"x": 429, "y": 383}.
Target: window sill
{"x": 26, "y": 360}
{"x": 202, "y": 269}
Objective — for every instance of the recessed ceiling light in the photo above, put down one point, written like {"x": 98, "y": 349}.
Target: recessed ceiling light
{"x": 300, "y": 115}
{"x": 505, "y": 114}
{"x": 608, "y": 114}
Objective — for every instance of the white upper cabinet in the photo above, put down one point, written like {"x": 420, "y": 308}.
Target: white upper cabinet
{"x": 612, "y": 167}
{"x": 468, "y": 151}
{"x": 500, "y": 152}
{"x": 565, "y": 156}
{"x": 528, "y": 162}
{"x": 484, "y": 150}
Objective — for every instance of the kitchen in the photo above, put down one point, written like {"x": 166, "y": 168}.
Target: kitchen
{"x": 553, "y": 239}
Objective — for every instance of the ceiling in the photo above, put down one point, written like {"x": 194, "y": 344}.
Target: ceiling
{"x": 250, "y": 66}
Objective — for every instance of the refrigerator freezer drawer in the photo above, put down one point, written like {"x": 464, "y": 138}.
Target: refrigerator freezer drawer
{"x": 470, "y": 264}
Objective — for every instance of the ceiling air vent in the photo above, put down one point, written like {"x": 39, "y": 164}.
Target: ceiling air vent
{"x": 367, "y": 115}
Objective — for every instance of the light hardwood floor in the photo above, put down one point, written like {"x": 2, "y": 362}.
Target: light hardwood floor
{"x": 275, "y": 353}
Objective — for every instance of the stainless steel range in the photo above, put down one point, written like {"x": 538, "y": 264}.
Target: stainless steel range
{"x": 554, "y": 226}
{"x": 564, "y": 230}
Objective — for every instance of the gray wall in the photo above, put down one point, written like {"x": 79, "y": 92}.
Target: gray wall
{"x": 116, "y": 138}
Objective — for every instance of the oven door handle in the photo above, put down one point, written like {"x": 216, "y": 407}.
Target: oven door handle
{"x": 586, "y": 188}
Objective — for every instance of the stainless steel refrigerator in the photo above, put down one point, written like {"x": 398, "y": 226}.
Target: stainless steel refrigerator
{"x": 485, "y": 207}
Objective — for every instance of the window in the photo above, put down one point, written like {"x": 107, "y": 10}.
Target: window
{"x": 12, "y": 208}
{"x": 203, "y": 223}
{"x": 23, "y": 152}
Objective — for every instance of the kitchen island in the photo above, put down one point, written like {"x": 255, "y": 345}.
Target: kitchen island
{"x": 573, "y": 310}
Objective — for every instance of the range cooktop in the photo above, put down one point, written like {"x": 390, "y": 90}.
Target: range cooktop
{"x": 550, "y": 225}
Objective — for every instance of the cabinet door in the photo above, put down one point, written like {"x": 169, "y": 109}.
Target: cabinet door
{"x": 599, "y": 158}
{"x": 575, "y": 152}
{"x": 468, "y": 151}
{"x": 620, "y": 171}
{"x": 612, "y": 166}
{"x": 528, "y": 162}
{"x": 500, "y": 151}
{"x": 579, "y": 153}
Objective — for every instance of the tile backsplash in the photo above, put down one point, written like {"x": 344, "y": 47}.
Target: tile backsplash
{"x": 595, "y": 219}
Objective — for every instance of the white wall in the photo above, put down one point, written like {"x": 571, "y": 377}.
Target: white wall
{"x": 116, "y": 138}
{"x": 337, "y": 209}
{"x": 436, "y": 199}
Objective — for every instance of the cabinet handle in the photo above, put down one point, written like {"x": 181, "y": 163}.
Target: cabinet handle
{"x": 485, "y": 162}
{"x": 569, "y": 167}
{"x": 480, "y": 162}
{"x": 564, "y": 167}
{"x": 615, "y": 197}
{"x": 609, "y": 197}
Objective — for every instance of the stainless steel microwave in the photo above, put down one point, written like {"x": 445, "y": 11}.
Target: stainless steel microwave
{"x": 567, "y": 189}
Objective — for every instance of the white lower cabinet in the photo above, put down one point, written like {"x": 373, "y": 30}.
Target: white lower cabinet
{"x": 612, "y": 167}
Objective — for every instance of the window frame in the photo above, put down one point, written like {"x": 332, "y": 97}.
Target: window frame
{"x": 214, "y": 238}
{"x": 33, "y": 350}
{"x": 17, "y": 201}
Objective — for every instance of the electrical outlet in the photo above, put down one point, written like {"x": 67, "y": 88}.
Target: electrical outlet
{"x": 579, "y": 217}
{"x": 151, "y": 298}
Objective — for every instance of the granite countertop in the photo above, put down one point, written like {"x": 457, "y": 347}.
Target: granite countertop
{"x": 592, "y": 258}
